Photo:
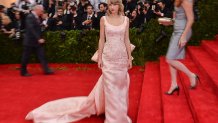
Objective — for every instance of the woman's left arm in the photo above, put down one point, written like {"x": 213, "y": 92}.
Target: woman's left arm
{"x": 127, "y": 44}
{"x": 188, "y": 7}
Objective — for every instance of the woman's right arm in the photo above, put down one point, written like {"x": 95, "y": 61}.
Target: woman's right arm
{"x": 188, "y": 7}
{"x": 101, "y": 42}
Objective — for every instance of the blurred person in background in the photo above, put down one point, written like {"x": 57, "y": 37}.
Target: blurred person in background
{"x": 33, "y": 42}
{"x": 102, "y": 11}
{"x": 95, "y": 4}
{"x": 89, "y": 20}
{"x": 161, "y": 10}
{"x": 68, "y": 17}
{"x": 11, "y": 11}
{"x": 24, "y": 7}
{"x": 56, "y": 23}
{"x": 147, "y": 11}
{"x": 76, "y": 20}
{"x": 140, "y": 15}
{"x": 1, "y": 14}
{"x": 17, "y": 26}
{"x": 129, "y": 6}
{"x": 61, "y": 3}
{"x": 7, "y": 26}
{"x": 134, "y": 20}
{"x": 44, "y": 24}
{"x": 82, "y": 7}
{"x": 51, "y": 8}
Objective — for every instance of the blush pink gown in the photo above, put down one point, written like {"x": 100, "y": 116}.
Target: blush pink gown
{"x": 110, "y": 94}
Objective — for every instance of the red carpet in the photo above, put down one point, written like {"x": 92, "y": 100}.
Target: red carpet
{"x": 191, "y": 106}
{"x": 202, "y": 100}
{"x": 175, "y": 108}
{"x": 199, "y": 105}
{"x": 148, "y": 103}
{"x": 212, "y": 48}
{"x": 150, "y": 110}
{"x": 21, "y": 94}
{"x": 207, "y": 65}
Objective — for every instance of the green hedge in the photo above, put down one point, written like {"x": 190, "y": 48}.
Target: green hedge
{"x": 79, "y": 46}
{"x": 207, "y": 26}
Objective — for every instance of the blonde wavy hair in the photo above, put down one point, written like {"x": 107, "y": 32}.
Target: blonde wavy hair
{"x": 116, "y": 2}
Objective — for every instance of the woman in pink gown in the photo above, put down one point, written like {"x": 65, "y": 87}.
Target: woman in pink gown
{"x": 110, "y": 94}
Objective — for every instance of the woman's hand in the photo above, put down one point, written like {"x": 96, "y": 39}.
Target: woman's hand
{"x": 166, "y": 23}
{"x": 130, "y": 63}
{"x": 182, "y": 41}
{"x": 41, "y": 41}
{"x": 100, "y": 64}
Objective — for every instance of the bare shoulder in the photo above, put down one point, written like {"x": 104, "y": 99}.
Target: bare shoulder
{"x": 102, "y": 19}
{"x": 125, "y": 17}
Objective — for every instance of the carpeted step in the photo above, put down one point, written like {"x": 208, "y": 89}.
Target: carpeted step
{"x": 211, "y": 47}
{"x": 202, "y": 100}
{"x": 150, "y": 108}
{"x": 206, "y": 64}
{"x": 175, "y": 107}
